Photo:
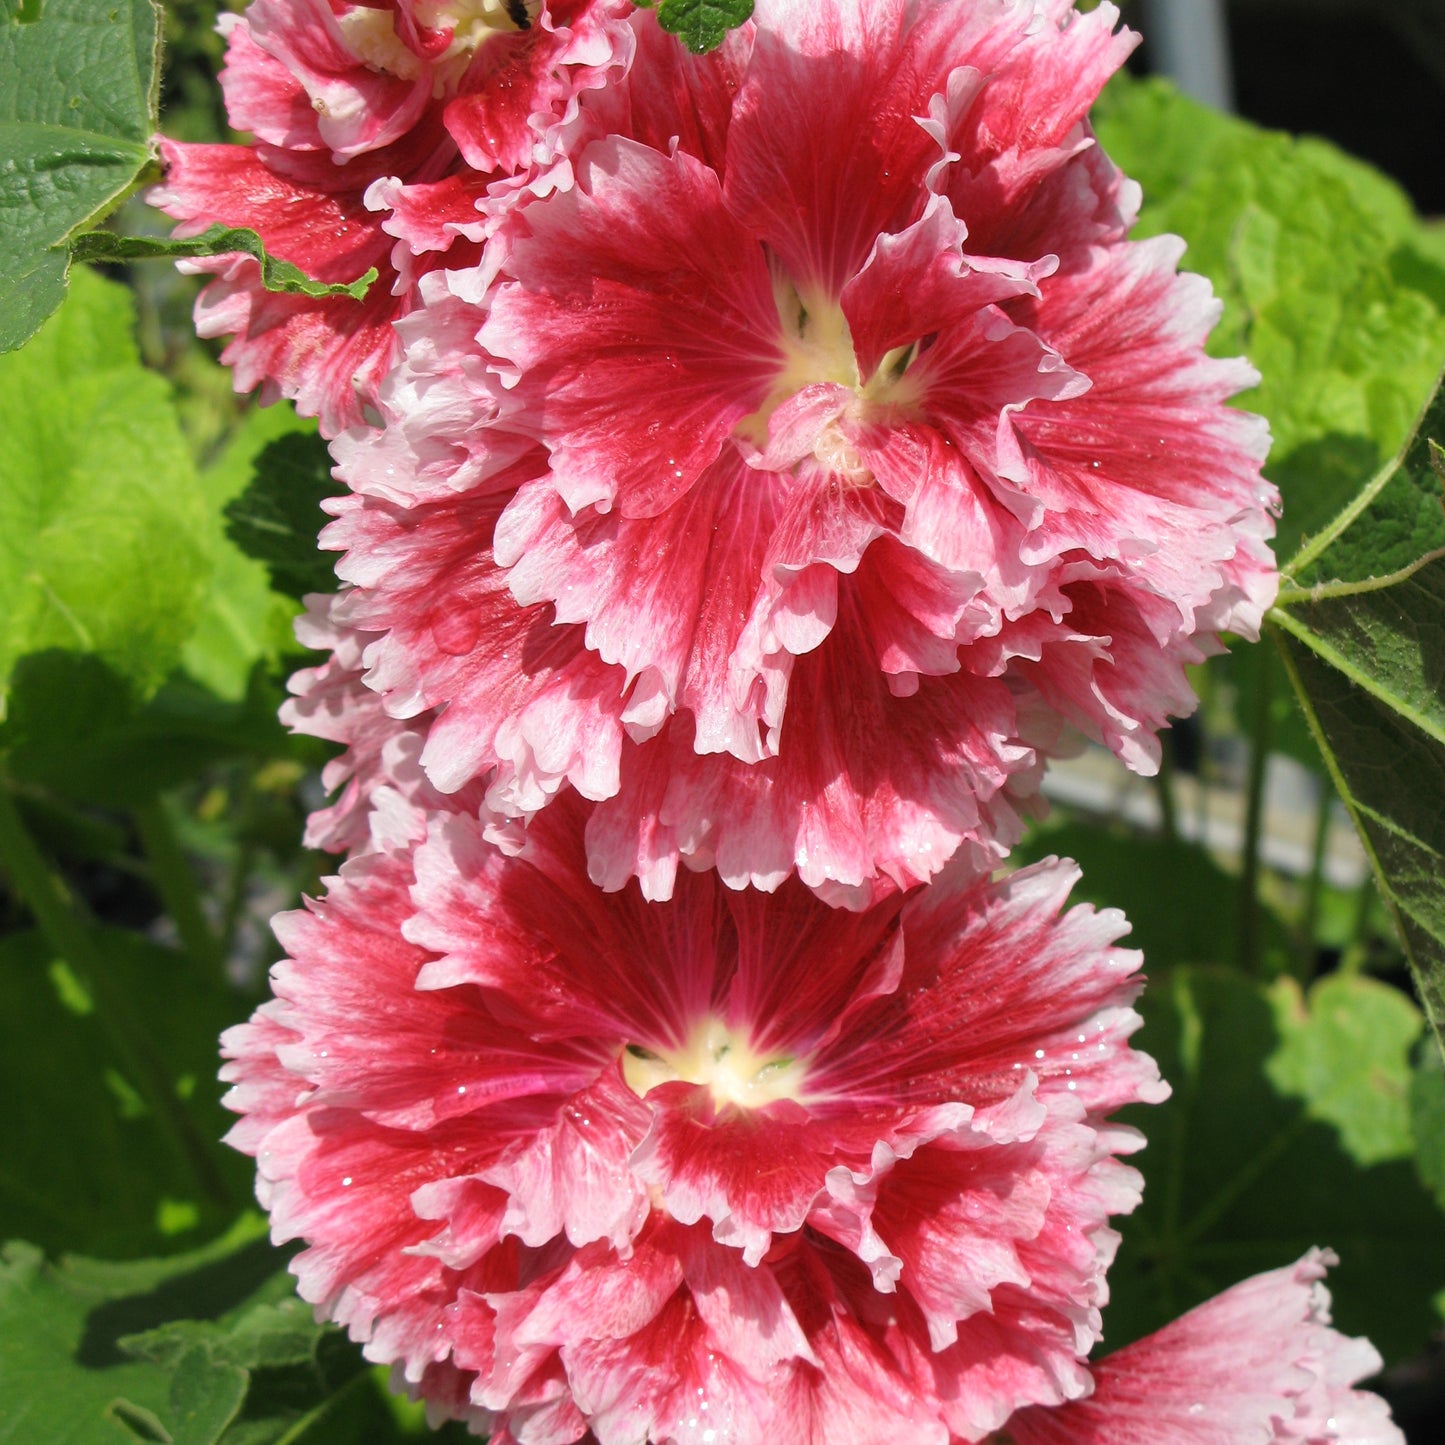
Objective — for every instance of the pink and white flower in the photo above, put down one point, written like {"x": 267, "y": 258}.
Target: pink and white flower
{"x": 862, "y": 440}
{"x": 1257, "y": 1365}
{"x": 407, "y": 107}
{"x": 383, "y": 795}
{"x": 577, "y": 1162}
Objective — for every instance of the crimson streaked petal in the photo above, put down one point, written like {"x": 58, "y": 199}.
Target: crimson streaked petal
{"x": 675, "y": 306}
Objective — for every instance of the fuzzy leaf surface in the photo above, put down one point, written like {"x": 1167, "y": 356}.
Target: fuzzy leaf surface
{"x": 1344, "y": 1052}
{"x": 1363, "y": 637}
{"x": 1331, "y": 285}
{"x": 702, "y": 25}
{"x": 64, "y": 1378}
{"x": 77, "y": 111}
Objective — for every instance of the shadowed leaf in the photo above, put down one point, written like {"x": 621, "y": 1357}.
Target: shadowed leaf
{"x": 1362, "y": 631}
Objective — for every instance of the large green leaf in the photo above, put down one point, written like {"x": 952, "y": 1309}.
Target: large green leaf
{"x": 1427, "y": 1123}
{"x": 1266, "y": 1149}
{"x": 1344, "y": 1052}
{"x": 84, "y": 1164}
{"x": 1330, "y": 284}
{"x": 1318, "y": 259}
{"x": 206, "y": 1348}
{"x": 100, "y": 508}
{"x": 1362, "y": 630}
{"x": 77, "y": 111}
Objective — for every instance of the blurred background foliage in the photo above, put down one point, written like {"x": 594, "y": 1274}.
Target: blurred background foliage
{"x": 156, "y": 533}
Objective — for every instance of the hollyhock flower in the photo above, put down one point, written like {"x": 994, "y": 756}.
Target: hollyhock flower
{"x": 383, "y": 795}
{"x": 577, "y": 1162}
{"x": 406, "y": 106}
{"x": 862, "y": 438}
{"x": 1257, "y": 1365}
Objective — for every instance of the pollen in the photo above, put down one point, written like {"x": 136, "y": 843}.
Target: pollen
{"x": 720, "y": 1059}
{"x": 372, "y": 33}
{"x": 816, "y": 345}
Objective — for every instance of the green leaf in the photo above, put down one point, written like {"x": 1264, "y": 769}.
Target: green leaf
{"x": 77, "y": 112}
{"x": 277, "y": 518}
{"x": 243, "y": 621}
{"x": 1140, "y": 875}
{"x": 1363, "y": 637}
{"x": 702, "y": 25}
{"x": 276, "y": 274}
{"x": 204, "y": 1398}
{"x": 1322, "y": 267}
{"x": 84, "y": 1165}
{"x": 1427, "y": 1122}
{"x": 207, "y": 1347}
{"x": 63, "y": 1378}
{"x": 99, "y": 502}
{"x": 76, "y": 729}
{"x": 266, "y": 1333}
{"x": 1242, "y": 1175}
{"x": 1345, "y": 1054}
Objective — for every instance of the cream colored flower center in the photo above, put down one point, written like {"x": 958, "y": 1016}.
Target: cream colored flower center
{"x": 372, "y": 33}
{"x": 720, "y": 1060}
{"x": 817, "y": 346}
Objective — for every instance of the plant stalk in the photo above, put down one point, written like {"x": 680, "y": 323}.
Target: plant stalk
{"x": 176, "y": 883}
{"x": 1259, "y": 740}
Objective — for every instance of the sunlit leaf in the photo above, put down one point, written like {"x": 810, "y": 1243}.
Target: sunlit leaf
{"x": 1344, "y": 1052}
{"x": 100, "y": 508}
{"x": 243, "y": 619}
{"x": 702, "y": 25}
{"x": 64, "y": 1378}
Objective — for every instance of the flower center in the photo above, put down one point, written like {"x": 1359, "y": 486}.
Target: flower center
{"x": 474, "y": 22}
{"x": 720, "y": 1060}
{"x": 372, "y": 33}
{"x": 817, "y": 346}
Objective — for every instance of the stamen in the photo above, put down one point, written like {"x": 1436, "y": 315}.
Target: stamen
{"x": 720, "y": 1059}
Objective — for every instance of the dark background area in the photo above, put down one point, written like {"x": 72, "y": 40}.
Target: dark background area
{"x": 1366, "y": 74}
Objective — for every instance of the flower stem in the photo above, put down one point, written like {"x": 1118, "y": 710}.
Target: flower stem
{"x": 1249, "y": 939}
{"x": 1164, "y": 786}
{"x": 1336, "y": 591}
{"x": 176, "y": 883}
{"x": 1310, "y": 921}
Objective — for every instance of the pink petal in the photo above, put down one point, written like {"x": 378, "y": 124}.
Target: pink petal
{"x": 1256, "y": 1365}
